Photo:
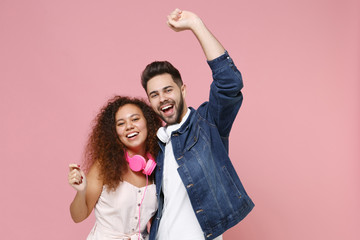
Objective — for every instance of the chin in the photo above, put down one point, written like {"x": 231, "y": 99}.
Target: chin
{"x": 170, "y": 121}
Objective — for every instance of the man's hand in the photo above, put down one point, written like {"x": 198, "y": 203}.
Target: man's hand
{"x": 179, "y": 20}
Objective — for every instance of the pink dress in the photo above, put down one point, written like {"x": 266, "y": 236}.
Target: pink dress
{"x": 117, "y": 212}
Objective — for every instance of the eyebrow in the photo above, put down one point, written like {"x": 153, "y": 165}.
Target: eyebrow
{"x": 164, "y": 88}
{"x": 132, "y": 115}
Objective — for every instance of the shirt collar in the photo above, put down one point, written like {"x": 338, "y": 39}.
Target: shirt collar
{"x": 164, "y": 133}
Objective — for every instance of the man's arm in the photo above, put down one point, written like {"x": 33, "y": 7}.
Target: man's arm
{"x": 225, "y": 92}
{"x": 180, "y": 20}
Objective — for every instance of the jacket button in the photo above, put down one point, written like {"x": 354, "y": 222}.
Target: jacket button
{"x": 190, "y": 185}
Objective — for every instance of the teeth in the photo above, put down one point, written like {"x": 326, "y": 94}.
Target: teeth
{"x": 167, "y": 107}
{"x": 132, "y": 135}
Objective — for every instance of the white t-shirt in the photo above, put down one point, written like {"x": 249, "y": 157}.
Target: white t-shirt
{"x": 178, "y": 220}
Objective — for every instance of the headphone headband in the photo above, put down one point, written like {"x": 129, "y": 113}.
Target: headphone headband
{"x": 138, "y": 163}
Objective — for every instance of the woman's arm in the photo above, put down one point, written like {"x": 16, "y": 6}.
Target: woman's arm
{"x": 88, "y": 191}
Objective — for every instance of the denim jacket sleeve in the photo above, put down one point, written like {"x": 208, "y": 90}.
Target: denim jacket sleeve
{"x": 225, "y": 93}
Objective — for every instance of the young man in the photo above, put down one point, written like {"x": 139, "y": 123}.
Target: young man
{"x": 200, "y": 195}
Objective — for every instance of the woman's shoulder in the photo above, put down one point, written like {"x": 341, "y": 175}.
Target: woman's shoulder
{"x": 94, "y": 172}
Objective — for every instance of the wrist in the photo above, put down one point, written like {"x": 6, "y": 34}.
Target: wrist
{"x": 197, "y": 25}
{"x": 81, "y": 192}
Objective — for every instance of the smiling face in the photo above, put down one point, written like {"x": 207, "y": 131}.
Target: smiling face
{"x": 167, "y": 98}
{"x": 131, "y": 128}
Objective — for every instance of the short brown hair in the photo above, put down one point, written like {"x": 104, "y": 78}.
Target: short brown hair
{"x": 157, "y": 68}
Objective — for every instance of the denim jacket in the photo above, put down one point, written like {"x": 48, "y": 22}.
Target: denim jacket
{"x": 200, "y": 147}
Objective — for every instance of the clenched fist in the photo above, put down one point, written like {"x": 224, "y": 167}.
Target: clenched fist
{"x": 76, "y": 177}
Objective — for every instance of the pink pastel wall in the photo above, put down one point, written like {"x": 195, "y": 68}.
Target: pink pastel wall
{"x": 295, "y": 142}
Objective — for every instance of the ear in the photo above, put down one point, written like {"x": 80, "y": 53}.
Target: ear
{"x": 183, "y": 90}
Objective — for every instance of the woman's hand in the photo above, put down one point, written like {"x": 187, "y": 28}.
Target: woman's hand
{"x": 76, "y": 178}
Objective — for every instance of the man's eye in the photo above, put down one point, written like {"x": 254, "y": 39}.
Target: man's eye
{"x": 168, "y": 90}
{"x": 153, "y": 95}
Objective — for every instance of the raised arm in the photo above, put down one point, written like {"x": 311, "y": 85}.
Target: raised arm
{"x": 225, "y": 92}
{"x": 180, "y": 20}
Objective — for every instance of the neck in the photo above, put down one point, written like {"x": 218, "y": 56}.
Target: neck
{"x": 133, "y": 152}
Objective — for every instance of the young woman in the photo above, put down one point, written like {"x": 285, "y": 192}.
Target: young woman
{"x": 119, "y": 159}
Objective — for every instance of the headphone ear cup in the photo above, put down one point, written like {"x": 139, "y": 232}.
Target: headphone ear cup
{"x": 150, "y": 166}
{"x": 137, "y": 163}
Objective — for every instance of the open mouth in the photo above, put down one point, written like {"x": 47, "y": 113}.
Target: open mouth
{"x": 167, "y": 108}
{"x": 131, "y": 135}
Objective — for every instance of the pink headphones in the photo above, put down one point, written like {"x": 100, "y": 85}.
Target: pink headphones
{"x": 138, "y": 163}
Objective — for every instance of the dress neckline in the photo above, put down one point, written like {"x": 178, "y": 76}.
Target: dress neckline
{"x": 138, "y": 187}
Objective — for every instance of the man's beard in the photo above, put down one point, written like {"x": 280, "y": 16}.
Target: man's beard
{"x": 178, "y": 113}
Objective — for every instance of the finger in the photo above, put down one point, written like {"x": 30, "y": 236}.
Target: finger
{"x": 168, "y": 22}
{"x": 174, "y": 11}
{"x": 74, "y": 172}
{"x": 175, "y": 16}
{"x": 172, "y": 16}
{"x": 77, "y": 174}
{"x": 178, "y": 13}
{"x": 171, "y": 22}
{"x": 74, "y": 176}
{"x": 171, "y": 26}
{"x": 74, "y": 166}
{"x": 73, "y": 181}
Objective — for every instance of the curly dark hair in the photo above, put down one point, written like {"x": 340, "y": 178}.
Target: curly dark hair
{"x": 105, "y": 148}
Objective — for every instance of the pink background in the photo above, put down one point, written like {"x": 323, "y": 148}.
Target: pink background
{"x": 295, "y": 142}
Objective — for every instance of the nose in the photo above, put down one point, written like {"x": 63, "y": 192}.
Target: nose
{"x": 162, "y": 97}
{"x": 129, "y": 125}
